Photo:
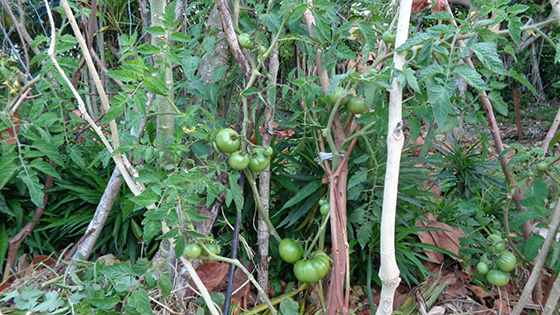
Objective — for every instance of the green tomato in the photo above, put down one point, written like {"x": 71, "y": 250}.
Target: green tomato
{"x": 389, "y": 38}
{"x": 497, "y": 243}
{"x": 497, "y": 277}
{"x": 325, "y": 209}
{"x": 542, "y": 167}
{"x": 290, "y": 251}
{"x": 228, "y": 140}
{"x": 312, "y": 270}
{"x": 357, "y": 105}
{"x": 482, "y": 267}
{"x": 507, "y": 261}
{"x": 336, "y": 94}
{"x": 268, "y": 151}
{"x": 238, "y": 160}
{"x": 245, "y": 40}
{"x": 259, "y": 162}
{"x": 192, "y": 251}
{"x": 213, "y": 248}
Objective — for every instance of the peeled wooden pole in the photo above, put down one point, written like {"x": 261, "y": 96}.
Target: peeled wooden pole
{"x": 389, "y": 271}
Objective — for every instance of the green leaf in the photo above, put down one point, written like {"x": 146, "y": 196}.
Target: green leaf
{"x": 148, "y": 49}
{"x": 164, "y": 284}
{"x": 49, "y": 150}
{"x": 235, "y": 192}
{"x": 472, "y": 77}
{"x": 530, "y": 248}
{"x": 498, "y": 102}
{"x": 364, "y": 233}
{"x": 297, "y": 13}
{"x": 180, "y": 37}
{"x": 117, "y": 108}
{"x": 35, "y": 188}
{"x": 44, "y": 168}
{"x": 124, "y": 75}
{"x": 521, "y": 79}
{"x": 411, "y": 79}
{"x": 417, "y": 39}
{"x": 487, "y": 54}
{"x": 155, "y": 85}
{"x": 106, "y": 303}
{"x": 514, "y": 27}
{"x": 8, "y": 167}
{"x": 4, "y": 244}
{"x": 440, "y": 98}
{"x": 305, "y": 192}
{"x": 51, "y": 302}
{"x": 272, "y": 21}
{"x": 145, "y": 199}
{"x": 343, "y": 52}
{"x": 140, "y": 302}
{"x": 517, "y": 8}
{"x": 156, "y": 30}
{"x": 289, "y": 307}
{"x": 151, "y": 229}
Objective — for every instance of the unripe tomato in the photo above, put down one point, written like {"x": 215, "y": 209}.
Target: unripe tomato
{"x": 245, "y": 40}
{"x": 259, "y": 162}
{"x": 389, "y": 38}
{"x": 497, "y": 277}
{"x": 290, "y": 251}
{"x": 314, "y": 269}
{"x": 336, "y": 94}
{"x": 192, "y": 251}
{"x": 357, "y": 105}
{"x": 497, "y": 243}
{"x": 507, "y": 261}
{"x": 542, "y": 167}
{"x": 238, "y": 160}
{"x": 268, "y": 151}
{"x": 325, "y": 209}
{"x": 482, "y": 267}
{"x": 213, "y": 248}
{"x": 228, "y": 140}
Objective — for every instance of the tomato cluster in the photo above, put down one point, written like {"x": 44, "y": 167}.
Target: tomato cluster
{"x": 497, "y": 262}
{"x": 229, "y": 142}
{"x": 306, "y": 270}
{"x": 355, "y": 105}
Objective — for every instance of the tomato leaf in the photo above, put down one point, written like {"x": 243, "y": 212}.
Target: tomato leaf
{"x": 301, "y": 195}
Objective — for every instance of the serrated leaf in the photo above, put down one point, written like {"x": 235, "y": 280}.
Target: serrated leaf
{"x": 180, "y": 37}
{"x": 411, "y": 79}
{"x": 148, "y": 49}
{"x": 517, "y": 8}
{"x": 140, "y": 302}
{"x": 364, "y": 233}
{"x": 514, "y": 27}
{"x": 51, "y": 302}
{"x": 145, "y": 199}
{"x": 35, "y": 188}
{"x": 521, "y": 79}
{"x": 305, "y": 192}
{"x": 472, "y": 77}
{"x": 124, "y": 75}
{"x": 487, "y": 54}
{"x": 49, "y": 150}
{"x": 8, "y": 167}
{"x": 156, "y": 30}
{"x": 106, "y": 303}
{"x": 498, "y": 102}
{"x": 118, "y": 104}
{"x": 417, "y": 39}
{"x": 236, "y": 190}
{"x": 155, "y": 85}
{"x": 439, "y": 96}
{"x": 343, "y": 52}
{"x": 289, "y": 307}
{"x": 164, "y": 284}
{"x": 297, "y": 13}
{"x": 151, "y": 229}
{"x": 44, "y": 168}
{"x": 272, "y": 21}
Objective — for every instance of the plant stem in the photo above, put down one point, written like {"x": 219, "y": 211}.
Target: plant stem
{"x": 260, "y": 206}
{"x": 277, "y": 300}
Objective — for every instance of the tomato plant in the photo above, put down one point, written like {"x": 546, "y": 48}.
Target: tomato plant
{"x": 357, "y": 105}
{"x": 314, "y": 269}
{"x": 192, "y": 250}
{"x": 388, "y": 38}
{"x": 507, "y": 261}
{"x": 213, "y": 248}
{"x": 228, "y": 140}
{"x": 238, "y": 160}
{"x": 496, "y": 243}
{"x": 497, "y": 277}
{"x": 290, "y": 251}
{"x": 542, "y": 167}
